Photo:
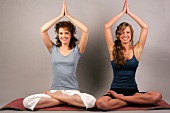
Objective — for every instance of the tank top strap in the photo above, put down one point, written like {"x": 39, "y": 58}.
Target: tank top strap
{"x": 133, "y": 51}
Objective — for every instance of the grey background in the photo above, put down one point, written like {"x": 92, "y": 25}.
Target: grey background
{"x": 25, "y": 62}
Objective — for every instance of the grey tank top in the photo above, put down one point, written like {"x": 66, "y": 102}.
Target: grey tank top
{"x": 64, "y": 69}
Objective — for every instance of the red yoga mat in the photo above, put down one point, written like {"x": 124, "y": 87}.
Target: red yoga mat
{"x": 17, "y": 105}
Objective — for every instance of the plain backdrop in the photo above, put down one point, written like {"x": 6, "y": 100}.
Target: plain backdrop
{"x": 25, "y": 66}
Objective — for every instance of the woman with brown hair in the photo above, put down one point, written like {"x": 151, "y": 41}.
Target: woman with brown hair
{"x": 65, "y": 55}
{"x": 124, "y": 57}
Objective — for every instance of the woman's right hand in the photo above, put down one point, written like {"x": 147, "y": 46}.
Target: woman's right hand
{"x": 127, "y": 7}
{"x": 65, "y": 9}
{"x": 124, "y": 10}
{"x": 63, "y": 12}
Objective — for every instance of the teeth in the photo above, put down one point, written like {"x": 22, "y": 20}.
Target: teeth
{"x": 125, "y": 38}
{"x": 64, "y": 39}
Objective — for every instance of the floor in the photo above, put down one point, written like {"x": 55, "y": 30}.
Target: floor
{"x": 150, "y": 111}
{"x": 139, "y": 111}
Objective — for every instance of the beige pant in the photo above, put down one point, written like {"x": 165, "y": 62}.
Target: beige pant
{"x": 31, "y": 101}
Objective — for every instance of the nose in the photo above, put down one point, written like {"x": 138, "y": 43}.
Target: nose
{"x": 125, "y": 34}
{"x": 64, "y": 35}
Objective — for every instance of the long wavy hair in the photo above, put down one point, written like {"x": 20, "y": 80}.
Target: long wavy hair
{"x": 70, "y": 27}
{"x": 118, "y": 52}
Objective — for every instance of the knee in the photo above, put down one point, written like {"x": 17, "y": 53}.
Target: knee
{"x": 27, "y": 102}
{"x": 157, "y": 98}
{"x": 102, "y": 104}
{"x": 88, "y": 100}
{"x": 31, "y": 101}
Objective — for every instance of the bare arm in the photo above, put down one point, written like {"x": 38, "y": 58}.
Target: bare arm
{"x": 144, "y": 30}
{"x": 44, "y": 30}
{"x": 82, "y": 27}
{"x": 107, "y": 29}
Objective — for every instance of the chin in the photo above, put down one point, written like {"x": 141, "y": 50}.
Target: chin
{"x": 125, "y": 42}
{"x": 63, "y": 42}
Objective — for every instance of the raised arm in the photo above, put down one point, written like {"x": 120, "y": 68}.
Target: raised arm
{"x": 144, "y": 30}
{"x": 82, "y": 27}
{"x": 44, "y": 29}
{"x": 107, "y": 29}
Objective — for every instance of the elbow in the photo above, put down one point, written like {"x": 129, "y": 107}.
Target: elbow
{"x": 86, "y": 30}
{"x": 145, "y": 26}
{"x": 42, "y": 30}
{"x": 106, "y": 26}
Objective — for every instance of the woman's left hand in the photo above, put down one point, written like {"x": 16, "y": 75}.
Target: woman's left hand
{"x": 118, "y": 96}
{"x": 127, "y": 7}
{"x": 65, "y": 9}
{"x": 124, "y": 7}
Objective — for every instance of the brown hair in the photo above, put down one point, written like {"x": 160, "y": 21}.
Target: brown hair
{"x": 70, "y": 27}
{"x": 119, "y": 58}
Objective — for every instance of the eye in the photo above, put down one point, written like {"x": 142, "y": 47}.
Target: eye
{"x": 60, "y": 33}
{"x": 67, "y": 32}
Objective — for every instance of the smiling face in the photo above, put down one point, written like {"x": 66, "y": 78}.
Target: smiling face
{"x": 125, "y": 37}
{"x": 124, "y": 33}
{"x": 64, "y": 35}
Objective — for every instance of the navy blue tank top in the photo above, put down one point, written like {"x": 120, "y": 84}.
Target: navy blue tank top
{"x": 124, "y": 76}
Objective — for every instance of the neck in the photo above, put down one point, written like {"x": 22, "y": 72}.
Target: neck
{"x": 65, "y": 47}
{"x": 127, "y": 46}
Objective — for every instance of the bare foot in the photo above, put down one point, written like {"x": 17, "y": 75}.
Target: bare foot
{"x": 57, "y": 93}
{"x": 49, "y": 93}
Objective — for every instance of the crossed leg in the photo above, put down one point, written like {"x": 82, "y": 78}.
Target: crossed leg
{"x": 139, "y": 98}
{"x": 107, "y": 103}
{"x": 47, "y": 102}
{"x": 42, "y": 100}
{"x": 58, "y": 98}
{"x": 49, "y": 99}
